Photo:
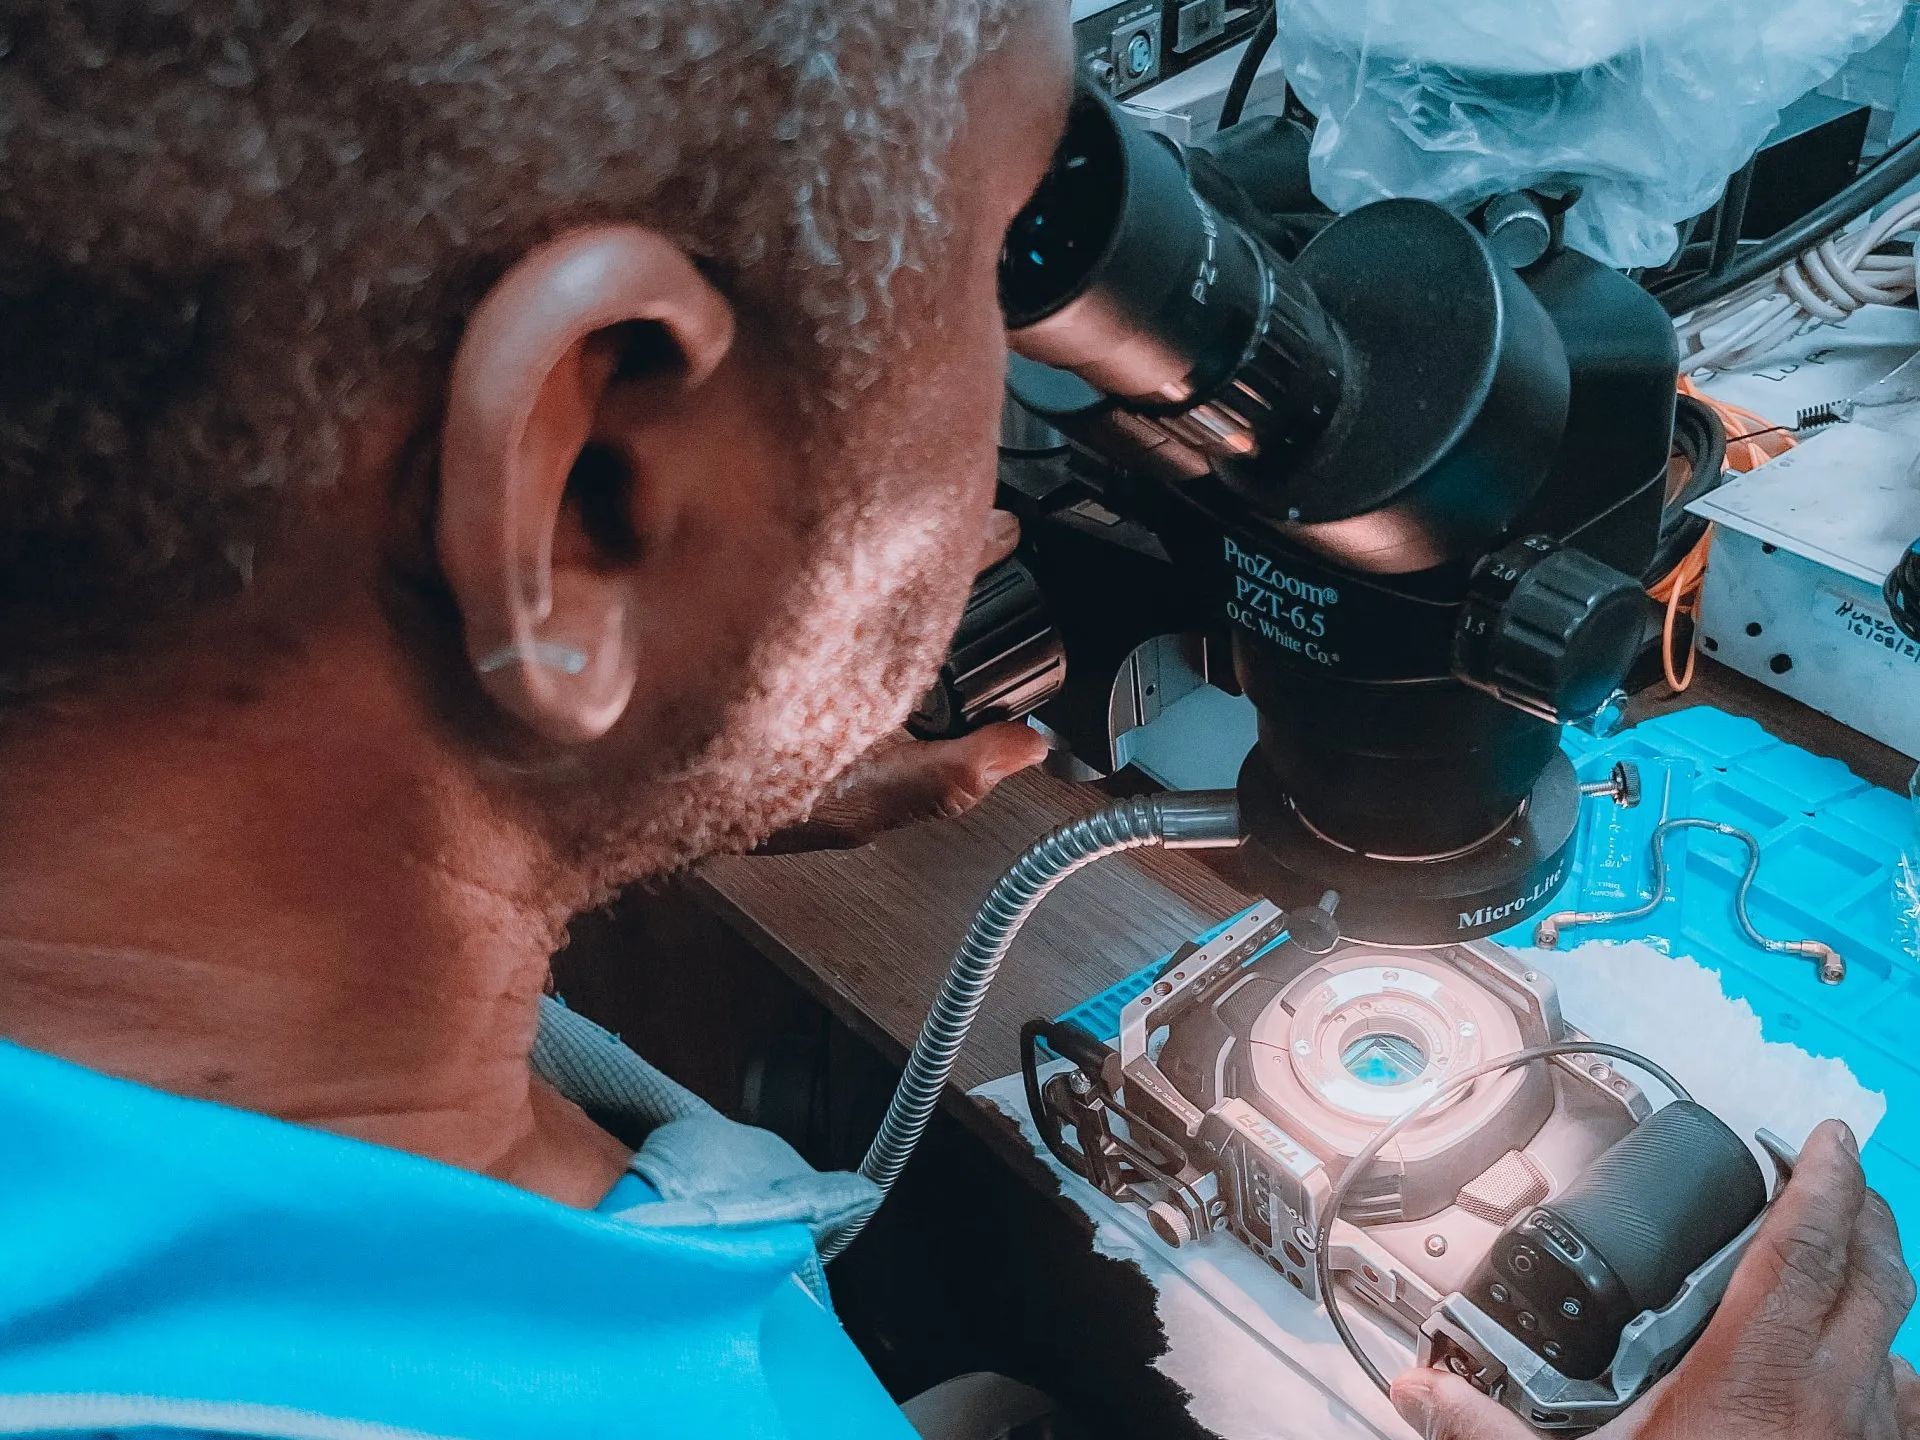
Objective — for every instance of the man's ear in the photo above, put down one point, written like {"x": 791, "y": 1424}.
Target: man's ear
{"x": 540, "y": 568}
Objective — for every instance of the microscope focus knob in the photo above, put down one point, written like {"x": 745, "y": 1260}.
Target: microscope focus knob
{"x": 1549, "y": 630}
{"x": 1006, "y": 658}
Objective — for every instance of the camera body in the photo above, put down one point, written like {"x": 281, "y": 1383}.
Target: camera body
{"x": 1545, "y": 1233}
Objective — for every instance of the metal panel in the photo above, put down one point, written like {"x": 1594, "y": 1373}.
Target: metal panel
{"x": 1793, "y": 586}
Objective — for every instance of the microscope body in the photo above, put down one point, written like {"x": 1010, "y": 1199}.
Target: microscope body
{"x": 1411, "y": 478}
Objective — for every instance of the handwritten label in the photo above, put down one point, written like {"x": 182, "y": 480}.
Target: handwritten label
{"x": 1863, "y": 621}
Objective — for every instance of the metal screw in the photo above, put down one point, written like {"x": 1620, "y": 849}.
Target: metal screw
{"x": 1622, "y": 786}
{"x": 1302, "y": 1047}
{"x": 1078, "y": 1083}
{"x": 1436, "y": 1245}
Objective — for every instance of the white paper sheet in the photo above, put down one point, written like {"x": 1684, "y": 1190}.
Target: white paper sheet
{"x": 1263, "y": 1364}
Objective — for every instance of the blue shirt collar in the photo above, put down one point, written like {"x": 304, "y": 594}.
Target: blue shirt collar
{"x": 183, "y": 1250}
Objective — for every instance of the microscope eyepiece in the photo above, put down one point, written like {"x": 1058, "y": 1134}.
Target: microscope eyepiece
{"x": 1118, "y": 271}
{"x": 1069, "y": 228}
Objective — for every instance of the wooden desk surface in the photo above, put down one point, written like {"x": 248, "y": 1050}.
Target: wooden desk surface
{"x": 872, "y": 931}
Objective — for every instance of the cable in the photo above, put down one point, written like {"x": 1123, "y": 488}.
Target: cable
{"x": 1680, "y": 592}
{"x": 1753, "y": 438}
{"x": 1894, "y": 169}
{"x": 1829, "y": 282}
{"x": 1700, "y": 438}
{"x": 1833, "y": 969}
{"x": 1729, "y": 216}
{"x": 1074, "y": 1042}
{"x": 1204, "y": 818}
{"x": 1698, "y": 464}
{"x": 1248, "y": 70}
{"x": 1370, "y": 1152}
{"x": 1749, "y": 441}
{"x": 1766, "y": 430}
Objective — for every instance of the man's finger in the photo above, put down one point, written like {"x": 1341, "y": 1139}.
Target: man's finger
{"x": 903, "y": 781}
{"x": 1880, "y": 1289}
{"x": 1796, "y": 1270}
{"x": 950, "y": 777}
{"x": 913, "y": 780}
{"x": 1906, "y": 1398}
{"x": 1441, "y": 1406}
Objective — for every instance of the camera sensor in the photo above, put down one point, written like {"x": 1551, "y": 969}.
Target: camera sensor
{"x": 1381, "y": 1059}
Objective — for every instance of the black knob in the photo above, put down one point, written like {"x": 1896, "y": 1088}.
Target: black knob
{"x": 1549, "y": 630}
{"x": 1005, "y": 661}
{"x": 1313, "y": 928}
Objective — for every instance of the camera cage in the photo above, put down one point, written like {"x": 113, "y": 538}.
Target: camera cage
{"x": 1184, "y": 1163}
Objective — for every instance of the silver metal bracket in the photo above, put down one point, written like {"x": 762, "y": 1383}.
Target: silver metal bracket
{"x": 1172, "y": 993}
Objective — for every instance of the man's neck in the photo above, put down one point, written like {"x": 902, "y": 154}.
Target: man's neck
{"x": 322, "y": 937}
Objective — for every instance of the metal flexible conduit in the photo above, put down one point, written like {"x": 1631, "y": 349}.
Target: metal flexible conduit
{"x": 1200, "y": 819}
{"x": 1833, "y": 967}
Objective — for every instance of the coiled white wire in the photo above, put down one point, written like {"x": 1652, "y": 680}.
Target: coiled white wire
{"x": 1829, "y": 282}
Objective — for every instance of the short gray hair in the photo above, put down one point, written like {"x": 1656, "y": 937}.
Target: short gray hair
{"x": 218, "y": 218}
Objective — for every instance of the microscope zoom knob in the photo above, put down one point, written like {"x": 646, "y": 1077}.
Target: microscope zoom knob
{"x": 1549, "y": 630}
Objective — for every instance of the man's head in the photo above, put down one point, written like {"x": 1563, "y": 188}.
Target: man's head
{"x": 610, "y": 382}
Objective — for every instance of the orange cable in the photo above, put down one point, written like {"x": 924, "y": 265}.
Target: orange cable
{"x": 1752, "y": 441}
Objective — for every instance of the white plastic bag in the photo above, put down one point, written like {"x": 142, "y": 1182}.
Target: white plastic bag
{"x": 1646, "y": 107}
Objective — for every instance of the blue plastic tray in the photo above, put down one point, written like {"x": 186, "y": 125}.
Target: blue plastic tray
{"x": 1830, "y": 847}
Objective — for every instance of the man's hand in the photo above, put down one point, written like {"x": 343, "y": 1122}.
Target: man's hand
{"x": 1797, "y": 1350}
{"x": 902, "y": 781}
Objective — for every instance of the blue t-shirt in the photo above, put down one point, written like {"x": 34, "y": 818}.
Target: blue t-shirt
{"x": 174, "y": 1266}
{"x": 629, "y": 1190}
